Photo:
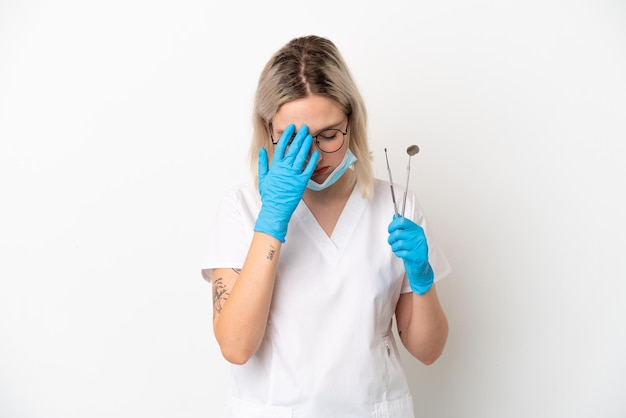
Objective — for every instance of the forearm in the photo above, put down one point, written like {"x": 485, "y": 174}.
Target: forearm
{"x": 424, "y": 326}
{"x": 240, "y": 325}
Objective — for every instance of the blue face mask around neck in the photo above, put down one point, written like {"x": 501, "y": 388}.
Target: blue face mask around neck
{"x": 346, "y": 163}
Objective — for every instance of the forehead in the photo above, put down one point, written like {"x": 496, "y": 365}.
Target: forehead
{"x": 316, "y": 112}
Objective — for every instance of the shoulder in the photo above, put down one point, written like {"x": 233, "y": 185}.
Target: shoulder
{"x": 382, "y": 191}
{"x": 382, "y": 187}
{"x": 380, "y": 199}
{"x": 382, "y": 195}
{"x": 243, "y": 193}
{"x": 240, "y": 200}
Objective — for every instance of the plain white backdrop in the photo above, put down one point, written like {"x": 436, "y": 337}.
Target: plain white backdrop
{"x": 123, "y": 122}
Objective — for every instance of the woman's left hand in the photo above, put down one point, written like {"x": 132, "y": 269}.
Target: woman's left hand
{"x": 408, "y": 242}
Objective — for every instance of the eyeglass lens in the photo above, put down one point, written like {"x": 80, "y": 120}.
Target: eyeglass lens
{"x": 328, "y": 140}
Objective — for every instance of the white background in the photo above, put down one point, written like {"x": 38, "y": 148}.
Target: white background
{"x": 123, "y": 122}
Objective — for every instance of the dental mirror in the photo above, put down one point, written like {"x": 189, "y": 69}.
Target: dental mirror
{"x": 411, "y": 151}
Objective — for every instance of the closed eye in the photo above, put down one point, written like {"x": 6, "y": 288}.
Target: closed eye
{"x": 328, "y": 134}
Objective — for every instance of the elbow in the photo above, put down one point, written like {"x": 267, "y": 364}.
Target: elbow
{"x": 426, "y": 356}
{"x": 435, "y": 348}
{"x": 431, "y": 354}
{"x": 430, "y": 359}
{"x": 236, "y": 349}
{"x": 237, "y": 354}
{"x": 238, "y": 358}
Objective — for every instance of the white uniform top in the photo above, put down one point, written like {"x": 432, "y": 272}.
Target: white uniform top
{"x": 328, "y": 350}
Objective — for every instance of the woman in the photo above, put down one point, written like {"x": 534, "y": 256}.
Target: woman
{"x": 309, "y": 264}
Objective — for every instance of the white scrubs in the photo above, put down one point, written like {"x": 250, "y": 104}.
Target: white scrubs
{"x": 328, "y": 350}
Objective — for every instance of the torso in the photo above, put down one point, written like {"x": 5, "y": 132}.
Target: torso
{"x": 327, "y": 205}
{"x": 328, "y": 349}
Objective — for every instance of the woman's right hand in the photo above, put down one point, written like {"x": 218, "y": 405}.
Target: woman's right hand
{"x": 282, "y": 184}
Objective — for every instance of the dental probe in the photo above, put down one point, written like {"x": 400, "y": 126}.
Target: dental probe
{"x": 393, "y": 195}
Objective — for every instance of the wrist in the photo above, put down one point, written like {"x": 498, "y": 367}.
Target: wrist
{"x": 421, "y": 277}
{"x": 271, "y": 223}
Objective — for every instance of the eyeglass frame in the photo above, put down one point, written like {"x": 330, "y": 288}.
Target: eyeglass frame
{"x": 317, "y": 142}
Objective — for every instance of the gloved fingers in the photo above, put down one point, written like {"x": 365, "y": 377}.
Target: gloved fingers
{"x": 263, "y": 163}
{"x": 403, "y": 254}
{"x": 303, "y": 152}
{"x": 284, "y": 141}
{"x": 398, "y": 222}
{"x": 296, "y": 145}
{"x": 412, "y": 246}
{"x": 403, "y": 245}
{"x": 397, "y": 242}
{"x": 405, "y": 229}
{"x": 419, "y": 256}
{"x": 394, "y": 225}
{"x": 310, "y": 167}
{"x": 413, "y": 234}
{"x": 407, "y": 239}
{"x": 397, "y": 235}
{"x": 393, "y": 237}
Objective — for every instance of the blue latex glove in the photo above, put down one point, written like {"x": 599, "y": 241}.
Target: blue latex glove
{"x": 282, "y": 185}
{"x": 408, "y": 242}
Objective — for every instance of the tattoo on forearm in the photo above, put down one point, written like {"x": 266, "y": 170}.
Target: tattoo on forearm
{"x": 220, "y": 294}
{"x": 237, "y": 270}
{"x": 270, "y": 254}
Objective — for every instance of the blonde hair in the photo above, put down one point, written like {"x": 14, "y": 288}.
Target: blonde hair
{"x": 306, "y": 66}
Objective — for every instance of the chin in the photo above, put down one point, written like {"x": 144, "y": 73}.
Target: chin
{"x": 319, "y": 179}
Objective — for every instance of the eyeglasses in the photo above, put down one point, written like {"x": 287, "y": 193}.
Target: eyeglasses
{"x": 328, "y": 140}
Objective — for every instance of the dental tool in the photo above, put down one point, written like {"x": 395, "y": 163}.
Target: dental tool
{"x": 393, "y": 195}
{"x": 411, "y": 150}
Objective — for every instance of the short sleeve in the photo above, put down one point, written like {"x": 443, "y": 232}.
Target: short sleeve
{"x": 232, "y": 232}
{"x": 437, "y": 259}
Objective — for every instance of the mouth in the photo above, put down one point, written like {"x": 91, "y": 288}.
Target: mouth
{"x": 319, "y": 171}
